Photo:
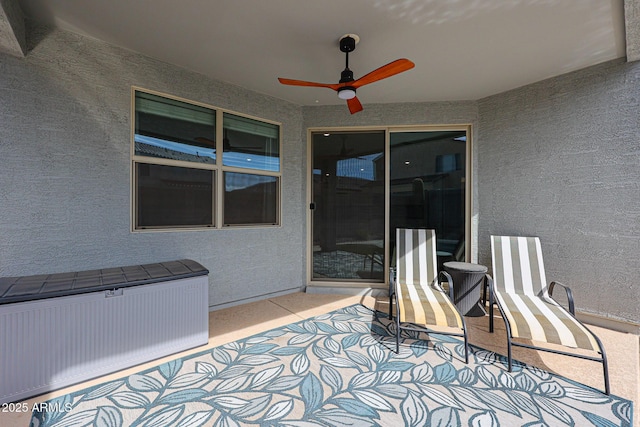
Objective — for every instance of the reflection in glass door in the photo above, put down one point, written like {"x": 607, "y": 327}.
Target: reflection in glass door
{"x": 427, "y": 171}
{"x": 348, "y": 206}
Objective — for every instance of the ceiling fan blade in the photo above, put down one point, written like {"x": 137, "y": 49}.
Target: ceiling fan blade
{"x": 391, "y": 69}
{"x": 309, "y": 84}
{"x": 354, "y": 105}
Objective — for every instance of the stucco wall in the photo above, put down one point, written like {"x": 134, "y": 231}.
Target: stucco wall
{"x": 560, "y": 159}
{"x": 65, "y": 171}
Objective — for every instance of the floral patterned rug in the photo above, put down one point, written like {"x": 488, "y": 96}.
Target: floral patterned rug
{"x": 338, "y": 369}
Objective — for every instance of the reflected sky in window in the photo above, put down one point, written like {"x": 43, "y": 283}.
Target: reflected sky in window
{"x": 191, "y": 150}
{"x": 233, "y": 159}
{"x": 252, "y": 161}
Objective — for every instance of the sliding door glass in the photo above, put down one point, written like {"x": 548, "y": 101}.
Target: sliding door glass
{"x": 348, "y": 206}
{"x": 427, "y": 187}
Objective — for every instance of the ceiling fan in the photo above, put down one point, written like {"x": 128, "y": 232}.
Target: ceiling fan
{"x": 347, "y": 86}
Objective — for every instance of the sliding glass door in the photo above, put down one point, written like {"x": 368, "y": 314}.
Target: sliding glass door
{"x": 427, "y": 177}
{"x": 365, "y": 184}
{"x": 348, "y": 206}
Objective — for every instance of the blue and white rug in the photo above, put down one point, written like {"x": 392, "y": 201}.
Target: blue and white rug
{"x": 338, "y": 369}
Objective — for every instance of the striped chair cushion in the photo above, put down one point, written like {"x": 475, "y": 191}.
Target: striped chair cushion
{"x": 518, "y": 265}
{"x": 533, "y": 318}
{"x": 421, "y": 301}
{"x": 424, "y": 305}
{"x": 519, "y": 281}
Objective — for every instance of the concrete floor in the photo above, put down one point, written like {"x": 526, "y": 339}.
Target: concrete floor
{"x": 623, "y": 349}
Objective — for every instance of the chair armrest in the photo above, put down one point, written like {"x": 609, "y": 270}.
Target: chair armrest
{"x": 392, "y": 281}
{"x": 449, "y": 279}
{"x": 489, "y": 281}
{"x": 552, "y": 285}
{"x": 489, "y": 284}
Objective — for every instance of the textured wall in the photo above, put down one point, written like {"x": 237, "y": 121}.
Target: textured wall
{"x": 65, "y": 171}
{"x": 427, "y": 113}
{"x": 560, "y": 159}
{"x": 632, "y": 29}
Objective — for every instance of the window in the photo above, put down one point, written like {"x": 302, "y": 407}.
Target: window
{"x": 170, "y": 129}
{"x": 250, "y": 199}
{"x": 251, "y": 196}
{"x": 250, "y": 144}
{"x": 173, "y": 196}
{"x": 195, "y": 166}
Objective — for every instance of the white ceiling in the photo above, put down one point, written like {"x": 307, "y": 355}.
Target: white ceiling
{"x": 463, "y": 49}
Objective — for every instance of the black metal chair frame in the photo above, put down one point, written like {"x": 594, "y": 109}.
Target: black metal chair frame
{"x": 415, "y": 328}
{"x": 570, "y": 312}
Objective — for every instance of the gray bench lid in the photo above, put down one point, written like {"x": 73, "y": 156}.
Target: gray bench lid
{"x": 29, "y": 288}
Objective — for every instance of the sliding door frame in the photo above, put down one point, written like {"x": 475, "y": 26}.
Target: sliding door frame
{"x": 470, "y": 249}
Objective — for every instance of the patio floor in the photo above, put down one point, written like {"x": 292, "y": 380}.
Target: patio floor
{"x": 623, "y": 349}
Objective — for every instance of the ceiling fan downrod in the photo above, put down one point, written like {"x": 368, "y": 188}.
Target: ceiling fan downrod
{"x": 347, "y": 44}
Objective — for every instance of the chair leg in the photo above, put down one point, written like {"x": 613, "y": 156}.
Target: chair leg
{"x": 390, "y": 306}
{"x": 490, "y": 311}
{"x": 507, "y": 327}
{"x": 484, "y": 292}
{"x": 397, "y": 336}
{"x": 397, "y": 328}
{"x": 508, "y": 331}
{"x": 509, "y": 359}
{"x": 466, "y": 346}
{"x": 605, "y": 365}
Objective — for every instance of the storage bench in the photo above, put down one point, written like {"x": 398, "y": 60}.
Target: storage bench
{"x": 61, "y": 329}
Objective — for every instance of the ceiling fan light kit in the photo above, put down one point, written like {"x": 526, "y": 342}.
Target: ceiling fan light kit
{"x": 347, "y": 85}
{"x": 346, "y": 92}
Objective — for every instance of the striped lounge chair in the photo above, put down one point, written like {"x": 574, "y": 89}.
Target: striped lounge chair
{"x": 520, "y": 290}
{"x": 419, "y": 299}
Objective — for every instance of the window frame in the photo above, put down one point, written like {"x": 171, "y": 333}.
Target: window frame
{"x": 217, "y": 168}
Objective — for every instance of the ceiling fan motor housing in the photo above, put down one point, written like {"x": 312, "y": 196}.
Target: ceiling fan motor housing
{"x": 346, "y": 76}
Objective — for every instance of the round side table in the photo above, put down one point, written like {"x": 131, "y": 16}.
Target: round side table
{"x": 468, "y": 281}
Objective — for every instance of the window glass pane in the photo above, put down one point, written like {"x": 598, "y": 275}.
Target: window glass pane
{"x": 349, "y": 206}
{"x": 249, "y": 143}
{"x": 173, "y": 196}
{"x": 427, "y": 173}
{"x": 170, "y": 129}
{"x": 250, "y": 199}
